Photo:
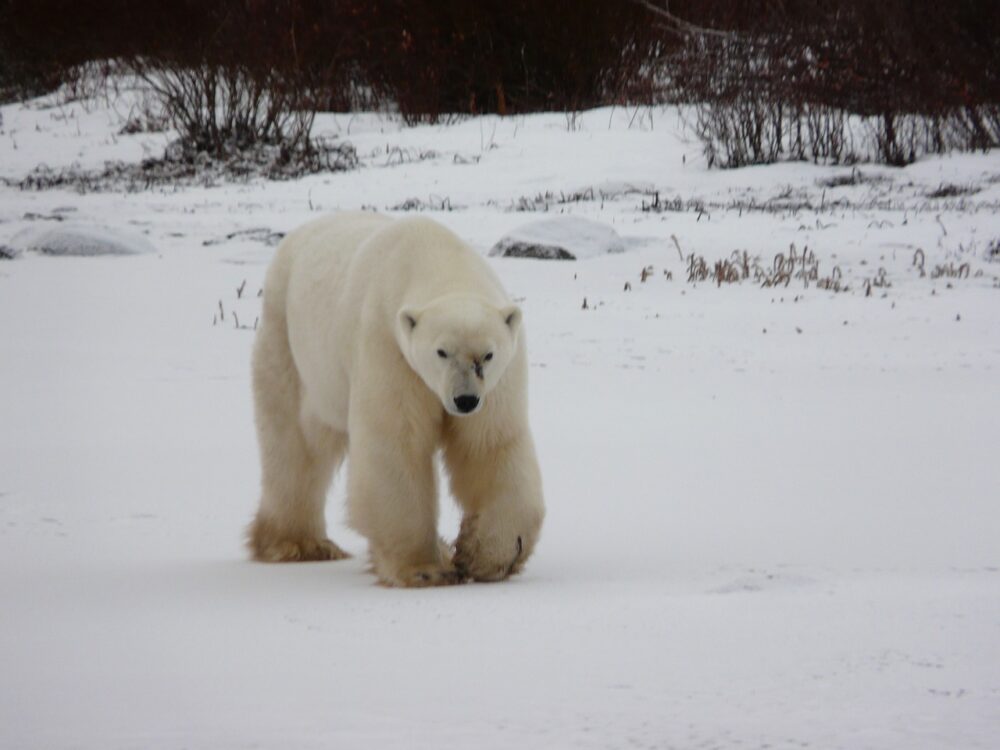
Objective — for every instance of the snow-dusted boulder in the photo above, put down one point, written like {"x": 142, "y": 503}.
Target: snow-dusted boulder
{"x": 559, "y": 238}
{"x": 7, "y": 252}
{"x": 80, "y": 239}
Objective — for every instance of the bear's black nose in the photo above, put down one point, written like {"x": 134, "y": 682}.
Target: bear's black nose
{"x": 466, "y": 404}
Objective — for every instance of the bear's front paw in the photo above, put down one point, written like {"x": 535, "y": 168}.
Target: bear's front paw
{"x": 414, "y": 575}
{"x": 489, "y": 550}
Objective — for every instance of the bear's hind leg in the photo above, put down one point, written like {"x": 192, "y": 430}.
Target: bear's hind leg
{"x": 298, "y": 458}
{"x": 290, "y": 525}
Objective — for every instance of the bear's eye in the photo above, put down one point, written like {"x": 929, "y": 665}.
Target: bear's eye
{"x": 442, "y": 354}
{"x": 488, "y": 357}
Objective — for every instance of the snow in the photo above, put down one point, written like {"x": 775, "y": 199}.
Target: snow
{"x": 559, "y": 238}
{"x": 773, "y": 512}
{"x": 79, "y": 239}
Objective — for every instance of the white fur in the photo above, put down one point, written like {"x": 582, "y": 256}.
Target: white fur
{"x": 346, "y": 363}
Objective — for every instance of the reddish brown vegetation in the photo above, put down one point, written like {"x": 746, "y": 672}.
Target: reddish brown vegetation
{"x": 778, "y": 81}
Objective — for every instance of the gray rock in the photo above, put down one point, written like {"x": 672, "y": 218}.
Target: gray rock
{"x": 559, "y": 238}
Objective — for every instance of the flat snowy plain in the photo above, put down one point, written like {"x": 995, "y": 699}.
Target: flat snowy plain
{"x": 773, "y": 513}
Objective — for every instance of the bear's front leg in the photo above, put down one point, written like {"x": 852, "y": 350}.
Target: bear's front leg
{"x": 392, "y": 501}
{"x": 500, "y": 490}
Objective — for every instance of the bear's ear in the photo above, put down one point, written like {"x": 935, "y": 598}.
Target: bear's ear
{"x": 512, "y": 317}
{"x": 407, "y": 320}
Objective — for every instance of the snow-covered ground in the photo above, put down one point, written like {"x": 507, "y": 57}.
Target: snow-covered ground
{"x": 774, "y": 513}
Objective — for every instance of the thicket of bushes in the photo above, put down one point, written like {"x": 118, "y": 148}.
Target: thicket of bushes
{"x": 802, "y": 79}
{"x": 236, "y": 79}
{"x": 840, "y": 82}
{"x": 428, "y": 57}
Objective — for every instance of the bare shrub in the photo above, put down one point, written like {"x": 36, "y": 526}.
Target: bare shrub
{"x": 834, "y": 282}
{"x": 794, "y": 265}
{"x": 951, "y": 271}
{"x": 879, "y": 281}
{"x": 698, "y": 269}
{"x": 896, "y": 138}
{"x": 732, "y": 270}
{"x": 948, "y": 190}
{"x": 827, "y": 135}
{"x": 993, "y": 250}
{"x": 222, "y": 109}
{"x": 745, "y": 130}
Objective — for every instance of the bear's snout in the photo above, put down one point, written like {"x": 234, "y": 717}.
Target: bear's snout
{"x": 465, "y": 404}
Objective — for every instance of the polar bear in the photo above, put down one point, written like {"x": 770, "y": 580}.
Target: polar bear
{"x": 385, "y": 341}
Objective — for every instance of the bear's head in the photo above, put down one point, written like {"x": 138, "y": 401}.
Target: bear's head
{"x": 460, "y": 346}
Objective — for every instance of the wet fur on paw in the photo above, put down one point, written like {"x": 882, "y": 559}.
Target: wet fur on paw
{"x": 266, "y": 544}
{"x": 395, "y": 574}
{"x": 486, "y": 560}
